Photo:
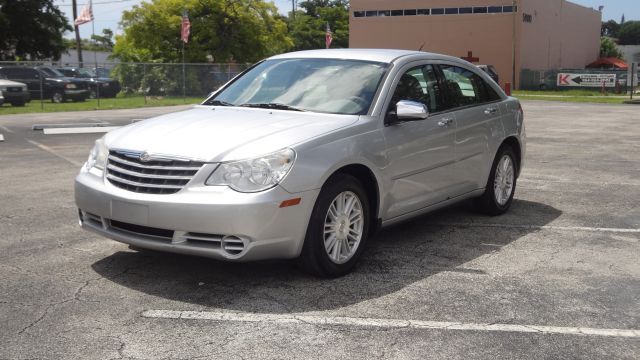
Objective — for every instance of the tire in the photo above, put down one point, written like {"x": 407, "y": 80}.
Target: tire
{"x": 57, "y": 97}
{"x": 503, "y": 171}
{"x": 93, "y": 94}
{"x": 337, "y": 260}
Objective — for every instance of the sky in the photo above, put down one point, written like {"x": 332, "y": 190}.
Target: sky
{"x": 107, "y": 13}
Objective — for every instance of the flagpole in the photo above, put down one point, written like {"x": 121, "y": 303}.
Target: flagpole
{"x": 95, "y": 53}
{"x": 184, "y": 86}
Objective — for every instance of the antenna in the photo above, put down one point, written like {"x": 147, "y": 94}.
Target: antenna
{"x": 421, "y": 46}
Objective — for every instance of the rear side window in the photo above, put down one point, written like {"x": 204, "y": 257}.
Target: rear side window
{"x": 465, "y": 87}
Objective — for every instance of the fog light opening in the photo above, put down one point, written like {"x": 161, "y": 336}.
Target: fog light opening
{"x": 233, "y": 245}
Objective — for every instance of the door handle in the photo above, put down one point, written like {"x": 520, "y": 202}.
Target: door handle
{"x": 445, "y": 122}
{"x": 490, "y": 111}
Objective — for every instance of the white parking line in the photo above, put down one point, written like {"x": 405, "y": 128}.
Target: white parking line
{"x": 53, "y": 152}
{"x": 540, "y": 227}
{"x": 79, "y": 130}
{"x": 382, "y": 323}
{"x": 6, "y": 129}
{"x": 71, "y": 125}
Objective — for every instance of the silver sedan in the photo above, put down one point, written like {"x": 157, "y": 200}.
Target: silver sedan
{"x": 306, "y": 155}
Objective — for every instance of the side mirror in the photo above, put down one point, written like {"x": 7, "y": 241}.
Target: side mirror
{"x": 411, "y": 110}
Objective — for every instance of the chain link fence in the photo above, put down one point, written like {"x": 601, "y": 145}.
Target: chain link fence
{"x": 110, "y": 84}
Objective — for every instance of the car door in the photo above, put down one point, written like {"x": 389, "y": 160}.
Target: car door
{"x": 420, "y": 154}
{"x": 31, "y": 77}
{"x": 478, "y": 119}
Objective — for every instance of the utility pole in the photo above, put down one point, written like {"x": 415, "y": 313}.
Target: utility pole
{"x": 75, "y": 27}
{"x": 293, "y": 9}
{"x": 513, "y": 45}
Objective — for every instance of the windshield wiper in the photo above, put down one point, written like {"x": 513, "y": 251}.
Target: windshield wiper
{"x": 274, "y": 106}
{"x": 219, "y": 103}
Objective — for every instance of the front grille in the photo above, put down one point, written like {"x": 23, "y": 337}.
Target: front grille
{"x": 127, "y": 171}
{"x": 14, "y": 89}
{"x": 141, "y": 230}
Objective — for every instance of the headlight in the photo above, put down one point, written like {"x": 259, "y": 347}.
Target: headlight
{"x": 253, "y": 175}
{"x": 98, "y": 155}
{"x": 70, "y": 86}
{"x": 3, "y": 88}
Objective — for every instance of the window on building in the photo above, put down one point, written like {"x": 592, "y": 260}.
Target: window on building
{"x": 479, "y": 9}
{"x": 397, "y": 12}
{"x": 495, "y": 9}
{"x": 451, "y": 11}
{"x": 371, "y": 13}
{"x": 384, "y": 13}
{"x": 437, "y": 11}
{"x": 424, "y": 11}
{"x": 466, "y": 10}
{"x": 410, "y": 12}
{"x": 358, "y": 14}
{"x": 509, "y": 8}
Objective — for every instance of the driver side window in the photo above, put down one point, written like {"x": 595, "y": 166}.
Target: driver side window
{"x": 419, "y": 84}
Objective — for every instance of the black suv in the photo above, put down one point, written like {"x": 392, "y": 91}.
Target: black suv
{"x": 103, "y": 86}
{"x": 48, "y": 82}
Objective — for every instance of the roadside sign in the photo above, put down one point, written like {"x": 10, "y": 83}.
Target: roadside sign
{"x": 586, "y": 80}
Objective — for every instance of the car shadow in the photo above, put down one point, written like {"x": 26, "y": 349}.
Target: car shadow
{"x": 397, "y": 257}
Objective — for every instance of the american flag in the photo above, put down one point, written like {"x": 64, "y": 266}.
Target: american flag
{"x": 186, "y": 28}
{"x": 328, "y": 38}
{"x": 86, "y": 15}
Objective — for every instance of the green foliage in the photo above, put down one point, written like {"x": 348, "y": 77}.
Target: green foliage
{"x": 308, "y": 26}
{"x": 610, "y": 29}
{"x": 97, "y": 43}
{"x": 608, "y": 48}
{"x": 228, "y": 30}
{"x": 31, "y": 29}
{"x": 629, "y": 33}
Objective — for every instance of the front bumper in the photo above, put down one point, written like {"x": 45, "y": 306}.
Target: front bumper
{"x": 210, "y": 221}
{"x": 76, "y": 94}
{"x": 19, "y": 97}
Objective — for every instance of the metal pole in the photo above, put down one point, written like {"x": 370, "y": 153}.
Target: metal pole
{"x": 144, "y": 76}
{"x": 293, "y": 9}
{"x": 634, "y": 69}
{"x": 95, "y": 54}
{"x": 513, "y": 44}
{"x": 184, "y": 79}
{"x": 75, "y": 27}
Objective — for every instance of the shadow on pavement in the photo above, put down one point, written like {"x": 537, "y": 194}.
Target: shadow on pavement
{"x": 397, "y": 257}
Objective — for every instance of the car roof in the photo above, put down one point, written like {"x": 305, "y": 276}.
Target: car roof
{"x": 376, "y": 55}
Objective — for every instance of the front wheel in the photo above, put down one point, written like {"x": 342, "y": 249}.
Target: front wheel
{"x": 338, "y": 228}
{"x": 501, "y": 186}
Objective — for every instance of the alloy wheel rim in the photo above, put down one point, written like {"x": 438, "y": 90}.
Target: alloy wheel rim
{"x": 57, "y": 98}
{"x": 503, "y": 183}
{"x": 343, "y": 227}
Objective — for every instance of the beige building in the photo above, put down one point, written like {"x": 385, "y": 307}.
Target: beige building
{"x": 542, "y": 34}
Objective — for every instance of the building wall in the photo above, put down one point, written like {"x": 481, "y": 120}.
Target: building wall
{"x": 560, "y": 35}
{"x": 488, "y": 36}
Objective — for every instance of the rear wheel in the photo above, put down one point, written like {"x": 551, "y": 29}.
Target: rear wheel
{"x": 501, "y": 186}
{"x": 57, "y": 97}
{"x": 338, "y": 228}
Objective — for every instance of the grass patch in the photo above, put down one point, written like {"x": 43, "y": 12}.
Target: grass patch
{"x": 129, "y": 102}
{"x": 573, "y": 92}
{"x": 575, "y": 99}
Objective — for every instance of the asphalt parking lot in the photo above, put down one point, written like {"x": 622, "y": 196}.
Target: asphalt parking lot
{"x": 558, "y": 277}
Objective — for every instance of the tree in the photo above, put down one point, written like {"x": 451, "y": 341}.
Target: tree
{"x": 308, "y": 28}
{"x": 629, "y": 33}
{"x": 610, "y": 29}
{"x": 31, "y": 29}
{"x": 104, "y": 41}
{"x": 228, "y": 30}
{"x": 608, "y": 48}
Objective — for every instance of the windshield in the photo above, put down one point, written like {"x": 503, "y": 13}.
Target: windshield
{"x": 320, "y": 85}
{"x": 51, "y": 72}
{"x": 86, "y": 73}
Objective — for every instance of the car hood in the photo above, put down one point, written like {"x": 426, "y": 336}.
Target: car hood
{"x": 217, "y": 134}
{"x": 4, "y": 82}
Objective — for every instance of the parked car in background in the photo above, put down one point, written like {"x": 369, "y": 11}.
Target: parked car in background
{"x": 103, "y": 86}
{"x": 15, "y": 93}
{"x": 47, "y": 82}
{"x": 102, "y": 72}
{"x": 491, "y": 71}
{"x": 305, "y": 155}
